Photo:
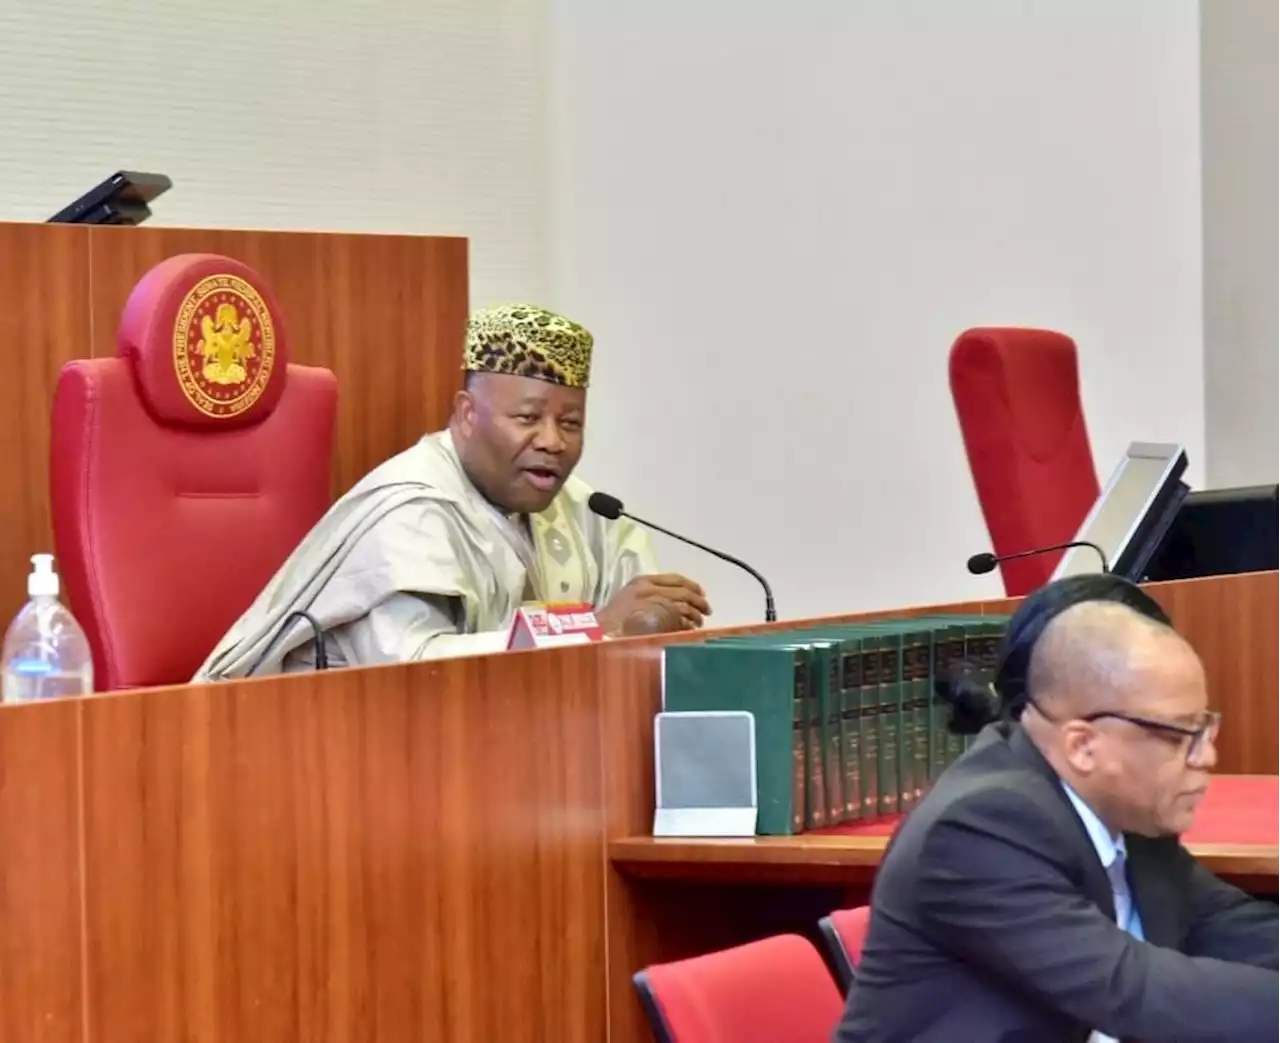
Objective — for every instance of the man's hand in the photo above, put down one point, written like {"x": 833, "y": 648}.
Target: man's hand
{"x": 655, "y": 605}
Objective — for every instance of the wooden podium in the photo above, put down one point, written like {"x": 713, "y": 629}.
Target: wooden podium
{"x": 418, "y": 852}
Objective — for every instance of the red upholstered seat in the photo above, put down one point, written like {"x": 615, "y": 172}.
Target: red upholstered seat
{"x": 1017, "y": 396}
{"x": 776, "y": 989}
{"x": 845, "y": 932}
{"x": 184, "y": 470}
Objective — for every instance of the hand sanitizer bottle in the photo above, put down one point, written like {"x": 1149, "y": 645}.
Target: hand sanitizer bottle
{"x": 46, "y": 655}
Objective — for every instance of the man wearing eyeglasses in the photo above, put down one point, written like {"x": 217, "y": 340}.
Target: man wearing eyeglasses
{"x": 1039, "y": 892}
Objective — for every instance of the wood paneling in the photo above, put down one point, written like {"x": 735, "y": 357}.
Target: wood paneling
{"x": 44, "y": 322}
{"x": 403, "y": 853}
{"x": 1232, "y": 623}
{"x": 40, "y": 968}
{"x": 385, "y": 313}
{"x": 378, "y": 855}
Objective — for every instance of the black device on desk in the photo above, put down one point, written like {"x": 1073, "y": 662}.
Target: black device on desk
{"x": 1221, "y": 532}
{"x": 122, "y": 199}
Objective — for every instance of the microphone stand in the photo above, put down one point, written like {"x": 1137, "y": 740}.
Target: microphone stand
{"x": 770, "y": 613}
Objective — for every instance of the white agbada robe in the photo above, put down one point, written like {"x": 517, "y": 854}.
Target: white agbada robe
{"x": 413, "y": 563}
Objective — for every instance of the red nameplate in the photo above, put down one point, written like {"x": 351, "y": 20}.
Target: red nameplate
{"x": 543, "y": 625}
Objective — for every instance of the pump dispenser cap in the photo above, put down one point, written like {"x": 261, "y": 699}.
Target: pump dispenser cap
{"x": 43, "y": 581}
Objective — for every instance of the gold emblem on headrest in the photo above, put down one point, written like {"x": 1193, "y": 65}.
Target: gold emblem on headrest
{"x": 224, "y": 345}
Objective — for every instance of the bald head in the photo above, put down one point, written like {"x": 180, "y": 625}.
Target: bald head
{"x": 1100, "y": 655}
{"x": 1118, "y": 708}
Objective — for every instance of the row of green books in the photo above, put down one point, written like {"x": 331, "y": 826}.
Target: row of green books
{"x": 847, "y": 723}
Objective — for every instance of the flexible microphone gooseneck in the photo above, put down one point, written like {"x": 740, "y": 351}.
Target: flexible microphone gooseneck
{"x": 981, "y": 564}
{"x": 321, "y": 656}
{"x": 611, "y": 507}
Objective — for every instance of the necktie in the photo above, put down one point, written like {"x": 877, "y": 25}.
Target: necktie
{"x": 1124, "y": 912}
{"x": 1120, "y": 890}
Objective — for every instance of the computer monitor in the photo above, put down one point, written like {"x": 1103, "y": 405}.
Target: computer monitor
{"x": 119, "y": 200}
{"x": 1221, "y": 532}
{"x": 1130, "y": 518}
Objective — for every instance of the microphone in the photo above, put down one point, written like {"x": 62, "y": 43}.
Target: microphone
{"x": 981, "y": 564}
{"x": 611, "y": 507}
{"x": 321, "y": 656}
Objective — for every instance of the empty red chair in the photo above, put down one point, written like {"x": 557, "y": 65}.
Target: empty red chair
{"x": 185, "y": 469}
{"x": 1017, "y": 397}
{"x": 845, "y": 932}
{"x": 765, "y": 992}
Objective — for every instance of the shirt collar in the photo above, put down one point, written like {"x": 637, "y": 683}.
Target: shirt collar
{"x": 1107, "y": 845}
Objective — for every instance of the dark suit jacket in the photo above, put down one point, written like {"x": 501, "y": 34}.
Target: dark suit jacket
{"x": 993, "y": 920}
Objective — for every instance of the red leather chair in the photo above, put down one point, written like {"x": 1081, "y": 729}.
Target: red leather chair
{"x": 185, "y": 469}
{"x": 776, "y": 989}
{"x": 1017, "y": 396}
{"x": 845, "y": 932}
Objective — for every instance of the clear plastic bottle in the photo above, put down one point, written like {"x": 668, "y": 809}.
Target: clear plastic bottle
{"x": 46, "y": 655}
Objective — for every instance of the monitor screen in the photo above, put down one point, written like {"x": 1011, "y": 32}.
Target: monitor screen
{"x": 1221, "y": 532}
{"x": 1133, "y": 511}
{"x": 120, "y": 199}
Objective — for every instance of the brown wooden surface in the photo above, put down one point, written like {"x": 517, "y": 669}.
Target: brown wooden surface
{"x": 385, "y": 313}
{"x": 1233, "y": 625}
{"x": 44, "y": 322}
{"x": 40, "y": 879}
{"x": 843, "y": 860}
{"x": 412, "y": 852}
{"x": 408, "y": 853}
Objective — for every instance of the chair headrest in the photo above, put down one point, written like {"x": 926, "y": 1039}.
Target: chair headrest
{"x": 206, "y": 341}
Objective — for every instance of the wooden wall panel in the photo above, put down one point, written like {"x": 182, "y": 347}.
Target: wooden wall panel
{"x": 385, "y": 313}
{"x": 44, "y": 322}
{"x": 1233, "y": 624}
{"x": 40, "y": 965}
{"x": 379, "y": 855}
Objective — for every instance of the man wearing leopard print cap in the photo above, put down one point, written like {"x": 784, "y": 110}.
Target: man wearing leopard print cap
{"x": 432, "y": 553}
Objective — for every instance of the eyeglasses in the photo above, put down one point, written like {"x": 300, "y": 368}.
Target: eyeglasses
{"x": 1205, "y": 730}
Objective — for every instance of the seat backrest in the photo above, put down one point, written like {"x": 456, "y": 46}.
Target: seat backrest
{"x": 776, "y": 989}
{"x": 845, "y": 932}
{"x": 185, "y": 469}
{"x": 1017, "y": 397}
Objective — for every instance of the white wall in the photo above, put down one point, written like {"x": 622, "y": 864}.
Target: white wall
{"x": 777, "y": 217}
{"x": 396, "y": 115}
{"x": 1239, "y": 116}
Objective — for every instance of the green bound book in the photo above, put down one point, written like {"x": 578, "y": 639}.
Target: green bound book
{"x": 972, "y": 637}
{"x": 878, "y": 710}
{"x": 912, "y": 643}
{"x": 773, "y": 684}
{"x": 824, "y": 794}
{"x": 848, "y": 649}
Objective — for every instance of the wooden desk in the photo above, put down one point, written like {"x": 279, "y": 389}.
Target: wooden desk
{"x": 1218, "y": 840}
{"x": 849, "y": 861}
{"x": 406, "y": 853}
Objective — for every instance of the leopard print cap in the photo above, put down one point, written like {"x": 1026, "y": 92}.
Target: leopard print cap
{"x": 527, "y": 341}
